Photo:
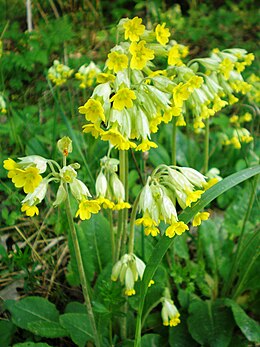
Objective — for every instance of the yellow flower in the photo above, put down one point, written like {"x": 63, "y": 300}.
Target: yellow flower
{"x": 129, "y": 292}
{"x": 176, "y": 228}
{"x": 133, "y": 29}
{"x": 225, "y": 67}
{"x": 180, "y": 121}
{"x": 29, "y": 179}
{"x": 247, "y": 117}
{"x": 174, "y": 56}
{"x": 123, "y": 98}
{"x": 210, "y": 183}
{"x": 151, "y": 283}
{"x": 240, "y": 66}
{"x": 106, "y": 203}
{"x": 172, "y": 112}
{"x": 30, "y": 210}
{"x": 234, "y": 118}
{"x": 153, "y": 125}
{"x": 162, "y": 34}
{"x": 10, "y": 164}
{"x": 117, "y": 61}
{"x": 146, "y": 220}
{"x": 232, "y": 99}
{"x": 198, "y": 123}
{"x": 140, "y": 55}
{"x": 94, "y": 129}
{"x": 180, "y": 94}
{"x": 218, "y": 104}
{"x": 235, "y": 142}
{"x": 151, "y": 230}
{"x": 86, "y": 207}
{"x": 199, "y": 217}
{"x": 145, "y": 145}
{"x": 113, "y": 135}
{"x": 193, "y": 197}
{"x": 105, "y": 77}
{"x": 249, "y": 58}
{"x": 121, "y": 205}
{"x": 93, "y": 111}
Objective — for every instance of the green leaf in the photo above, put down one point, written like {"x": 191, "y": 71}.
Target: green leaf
{"x": 179, "y": 336}
{"x": 181, "y": 248}
{"x": 210, "y": 323}
{"x": 47, "y": 329}
{"x": 151, "y": 340}
{"x": 209, "y": 238}
{"x": 7, "y": 330}
{"x": 37, "y": 315}
{"x": 75, "y": 307}
{"x": 98, "y": 234}
{"x": 78, "y": 327}
{"x": 249, "y": 327}
{"x": 159, "y": 155}
{"x": 186, "y": 216}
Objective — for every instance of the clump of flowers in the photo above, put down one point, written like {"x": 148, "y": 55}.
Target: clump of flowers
{"x": 27, "y": 174}
{"x": 157, "y": 199}
{"x": 128, "y": 270}
{"x": 59, "y": 73}
{"x": 87, "y": 75}
{"x": 110, "y": 190}
{"x": 170, "y": 314}
{"x": 133, "y": 98}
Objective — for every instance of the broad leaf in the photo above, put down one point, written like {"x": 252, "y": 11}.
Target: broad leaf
{"x": 249, "y": 327}
{"x": 210, "y": 323}
{"x": 7, "y": 330}
{"x": 151, "y": 340}
{"x": 179, "y": 336}
{"x": 78, "y": 327}
{"x": 37, "y": 315}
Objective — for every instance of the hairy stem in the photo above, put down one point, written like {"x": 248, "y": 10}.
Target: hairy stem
{"x": 206, "y": 147}
{"x": 82, "y": 275}
{"x": 174, "y": 133}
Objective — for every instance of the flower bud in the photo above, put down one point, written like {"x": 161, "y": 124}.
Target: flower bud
{"x": 79, "y": 190}
{"x": 101, "y": 184}
{"x": 65, "y": 145}
{"x": 60, "y": 196}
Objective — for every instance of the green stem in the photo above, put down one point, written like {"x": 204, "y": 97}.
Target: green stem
{"x": 125, "y": 215}
{"x": 174, "y": 133}
{"x": 112, "y": 235}
{"x": 149, "y": 310}
{"x": 235, "y": 262}
{"x": 132, "y": 225}
{"x": 82, "y": 275}
{"x": 122, "y": 215}
{"x": 206, "y": 147}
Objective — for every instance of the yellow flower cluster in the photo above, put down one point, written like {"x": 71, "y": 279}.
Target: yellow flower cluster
{"x": 133, "y": 98}
{"x": 58, "y": 73}
{"x": 157, "y": 199}
{"x": 239, "y": 136}
{"x": 128, "y": 269}
{"x": 110, "y": 190}
{"x": 170, "y": 314}
{"x": 87, "y": 75}
{"x": 27, "y": 172}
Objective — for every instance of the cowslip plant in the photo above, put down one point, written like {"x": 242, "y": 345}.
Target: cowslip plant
{"x": 132, "y": 98}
